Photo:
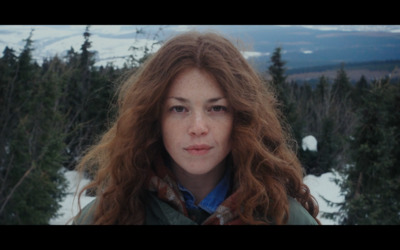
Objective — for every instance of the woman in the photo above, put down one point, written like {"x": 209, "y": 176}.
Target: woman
{"x": 198, "y": 139}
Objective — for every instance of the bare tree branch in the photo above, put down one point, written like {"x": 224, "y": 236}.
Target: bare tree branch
{"x": 33, "y": 165}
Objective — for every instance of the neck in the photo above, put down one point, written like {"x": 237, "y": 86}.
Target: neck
{"x": 199, "y": 185}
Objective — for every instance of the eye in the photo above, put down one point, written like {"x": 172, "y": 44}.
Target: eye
{"x": 178, "y": 109}
{"x": 218, "y": 108}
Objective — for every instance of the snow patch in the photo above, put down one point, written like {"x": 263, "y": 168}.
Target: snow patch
{"x": 69, "y": 206}
{"x": 325, "y": 186}
{"x": 309, "y": 143}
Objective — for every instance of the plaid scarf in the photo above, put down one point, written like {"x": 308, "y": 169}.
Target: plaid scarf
{"x": 162, "y": 181}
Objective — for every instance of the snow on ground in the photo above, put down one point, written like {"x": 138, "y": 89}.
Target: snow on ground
{"x": 69, "y": 206}
{"x": 319, "y": 186}
{"x": 324, "y": 186}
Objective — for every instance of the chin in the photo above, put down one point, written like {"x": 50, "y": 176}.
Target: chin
{"x": 200, "y": 167}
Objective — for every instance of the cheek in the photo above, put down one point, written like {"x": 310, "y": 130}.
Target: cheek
{"x": 170, "y": 133}
{"x": 224, "y": 133}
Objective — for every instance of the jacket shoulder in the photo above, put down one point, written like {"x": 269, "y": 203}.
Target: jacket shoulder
{"x": 157, "y": 213}
{"x": 160, "y": 213}
{"x": 85, "y": 217}
{"x": 298, "y": 215}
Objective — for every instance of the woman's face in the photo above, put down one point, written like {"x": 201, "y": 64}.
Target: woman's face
{"x": 196, "y": 122}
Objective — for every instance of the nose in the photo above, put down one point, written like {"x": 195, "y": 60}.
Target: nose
{"x": 198, "y": 125}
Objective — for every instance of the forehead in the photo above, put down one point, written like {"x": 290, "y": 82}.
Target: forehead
{"x": 194, "y": 82}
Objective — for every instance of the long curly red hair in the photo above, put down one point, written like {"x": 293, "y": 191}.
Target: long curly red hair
{"x": 266, "y": 168}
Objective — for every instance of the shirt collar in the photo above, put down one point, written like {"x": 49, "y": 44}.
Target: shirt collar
{"x": 211, "y": 202}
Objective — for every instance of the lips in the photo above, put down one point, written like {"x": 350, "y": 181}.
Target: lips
{"x": 198, "y": 149}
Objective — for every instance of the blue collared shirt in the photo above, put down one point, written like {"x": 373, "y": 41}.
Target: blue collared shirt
{"x": 213, "y": 199}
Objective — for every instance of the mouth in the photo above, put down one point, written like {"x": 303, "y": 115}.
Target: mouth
{"x": 198, "y": 149}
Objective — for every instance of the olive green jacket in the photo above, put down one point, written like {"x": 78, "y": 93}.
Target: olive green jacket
{"x": 160, "y": 213}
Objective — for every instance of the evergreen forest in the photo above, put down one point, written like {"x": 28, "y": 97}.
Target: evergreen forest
{"x": 52, "y": 112}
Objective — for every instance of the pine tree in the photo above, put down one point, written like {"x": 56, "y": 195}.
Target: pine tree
{"x": 8, "y": 66}
{"x": 78, "y": 91}
{"x": 328, "y": 146}
{"x": 341, "y": 86}
{"x": 277, "y": 69}
{"x": 322, "y": 96}
{"x": 31, "y": 182}
{"x": 325, "y": 124}
{"x": 89, "y": 92}
{"x": 372, "y": 186}
{"x": 305, "y": 112}
{"x": 360, "y": 90}
{"x": 342, "y": 112}
{"x": 277, "y": 72}
{"x": 394, "y": 122}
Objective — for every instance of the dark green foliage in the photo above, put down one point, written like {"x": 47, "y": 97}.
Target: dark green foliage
{"x": 372, "y": 185}
{"x": 360, "y": 90}
{"x": 341, "y": 86}
{"x": 277, "y": 70}
{"x": 328, "y": 146}
{"x": 358, "y": 132}
{"x": 31, "y": 185}
{"x": 288, "y": 109}
{"x": 325, "y": 112}
{"x": 49, "y": 115}
{"x": 86, "y": 103}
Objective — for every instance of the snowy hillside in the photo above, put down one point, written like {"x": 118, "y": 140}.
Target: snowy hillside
{"x": 111, "y": 42}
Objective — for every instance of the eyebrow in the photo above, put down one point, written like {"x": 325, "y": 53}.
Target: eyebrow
{"x": 184, "y": 100}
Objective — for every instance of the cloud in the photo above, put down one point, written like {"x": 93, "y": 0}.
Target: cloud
{"x": 181, "y": 28}
{"x": 305, "y": 51}
{"x": 360, "y": 28}
{"x": 248, "y": 54}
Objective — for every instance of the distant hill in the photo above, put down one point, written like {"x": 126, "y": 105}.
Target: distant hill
{"x": 387, "y": 65}
{"x": 370, "y": 70}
